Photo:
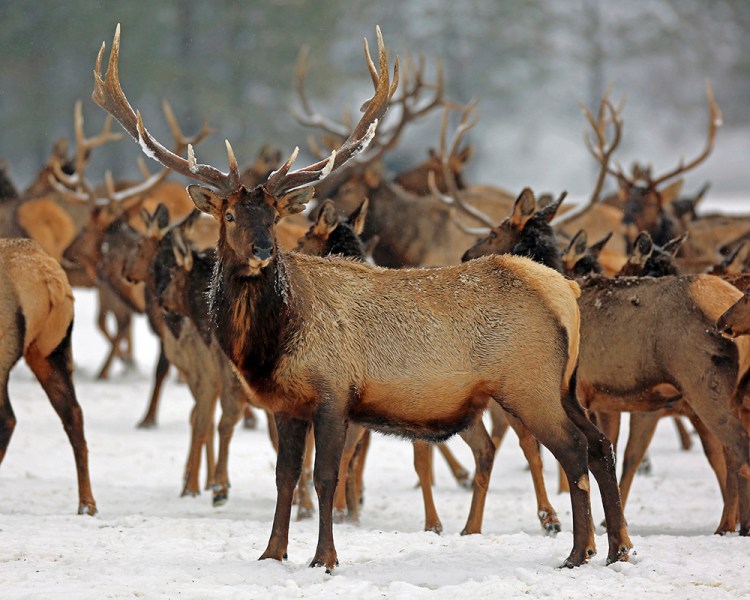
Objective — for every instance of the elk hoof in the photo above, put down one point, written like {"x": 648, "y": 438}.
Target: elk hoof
{"x": 646, "y": 467}
{"x": 435, "y": 528}
{"x": 304, "y": 512}
{"x": 273, "y": 555}
{"x": 87, "y": 508}
{"x": 329, "y": 563}
{"x": 550, "y": 523}
{"x": 339, "y": 515}
{"x": 147, "y": 424}
{"x": 745, "y": 530}
{"x": 576, "y": 559}
{"x": 465, "y": 481}
{"x": 622, "y": 555}
{"x": 250, "y": 422}
{"x": 190, "y": 493}
{"x": 221, "y": 495}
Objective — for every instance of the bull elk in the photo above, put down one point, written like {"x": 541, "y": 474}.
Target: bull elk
{"x": 418, "y": 353}
{"x": 36, "y": 320}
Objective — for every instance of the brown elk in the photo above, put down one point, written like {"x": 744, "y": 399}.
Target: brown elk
{"x": 627, "y": 355}
{"x": 36, "y": 320}
{"x": 419, "y": 353}
{"x": 329, "y": 235}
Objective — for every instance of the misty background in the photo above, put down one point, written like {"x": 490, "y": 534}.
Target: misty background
{"x": 530, "y": 63}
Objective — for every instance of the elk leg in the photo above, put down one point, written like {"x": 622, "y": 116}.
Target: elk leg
{"x": 601, "y": 458}
{"x": 714, "y": 452}
{"x": 353, "y": 435}
{"x": 210, "y": 456}
{"x": 230, "y": 414}
{"x": 162, "y": 367}
{"x": 530, "y": 446}
{"x": 685, "y": 442}
{"x": 55, "y": 373}
{"x": 481, "y": 445}
{"x": 710, "y": 393}
{"x": 123, "y": 331}
{"x": 642, "y": 429}
{"x": 303, "y": 496}
{"x": 292, "y": 436}
{"x": 423, "y": 468}
{"x": 355, "y": 491}
{"x": 204, "y": 394}
{"x": 499, "y": 424}
{"x": 7, "y": 418}
{"x": 461, "y": 475}
{"x": 249, "y": 420}
{"x": 362, "y": 449}
{"x": 330, "y": 435}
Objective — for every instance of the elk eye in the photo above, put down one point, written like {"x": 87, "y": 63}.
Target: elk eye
{"x": 276, "y": 219}
{"x": 229, "y": 217}
{"x": 493, "y": 235}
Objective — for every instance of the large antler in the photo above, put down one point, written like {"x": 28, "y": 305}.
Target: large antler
{"x": 282, "y": 180}
{"x": 410, "y": 105}
{"x": 109, "y": 95}
{"x": 455, "y": 197}
{"x": 601, "y": 149}
{"x": 714, "y": 122}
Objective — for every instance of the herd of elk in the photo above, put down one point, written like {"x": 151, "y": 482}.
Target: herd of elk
{"x": 259, "y": 305}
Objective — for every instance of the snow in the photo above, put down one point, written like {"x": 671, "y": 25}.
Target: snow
{"x": 146, "y": 542}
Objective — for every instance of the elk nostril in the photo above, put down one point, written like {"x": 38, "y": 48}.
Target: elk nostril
{"x": 262, "y": 253}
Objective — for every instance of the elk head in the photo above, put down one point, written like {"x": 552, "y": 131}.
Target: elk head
{"x": 736, "y": 320}
{"x": 526, "y": 232}
{"x": 580, "y": 259}
{"x": 646, "y": 203}
{"x": 330, "y": 235}
{"x": 247, "y": 217}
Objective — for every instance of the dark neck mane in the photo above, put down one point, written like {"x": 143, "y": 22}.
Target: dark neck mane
{"x": 253, "y": 316}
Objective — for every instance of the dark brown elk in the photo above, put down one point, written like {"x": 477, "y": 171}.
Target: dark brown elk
{"x": 418, "y": 353}
{"x": 36, "y": 320}
{"x": 624, "y": 317}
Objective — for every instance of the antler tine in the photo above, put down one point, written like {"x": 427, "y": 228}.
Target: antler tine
{"x": 84, "y": 144}
{"x": 308, "y": 116}
{"x": 109, "y": 95}
{"x": 281, "y": 181}
{"x": 450, "y": 201}
{"x": 714, "y": 122}
{"x": 455, "y": 198}
{"x": 464, "y": 125}
{"x": 602, "y": 152}
{"x": 181, "y": 140}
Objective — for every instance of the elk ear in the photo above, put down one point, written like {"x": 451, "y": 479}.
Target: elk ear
{"x": 294, "y": 202}
{"x": 181, "y": 249}
{"x": 701, "y": 194}
{"x": 327, "y": 220}
{"x": 186, "y": 225}
{"x": 357, "y": 218}
{"x": 523, "y": 209}
{"x": 599, "y": 246}
{"x": 206, "y": 200}
{"x": 161, "y": 215}
{"x": 643, "y": 247}
{"x": 550, "y": 210}
{"x": 579, "y": 242}
{"x": 670, "y": 193}
{"x": 673, "y": 245}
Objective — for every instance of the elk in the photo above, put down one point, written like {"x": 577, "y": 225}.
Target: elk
{"x": 418, "y": 353}
{"x": 413, "y": 226}
{"x": 36, "y": 318}
{"x": 331, "y": 236}
{"x": 627, "y": 355}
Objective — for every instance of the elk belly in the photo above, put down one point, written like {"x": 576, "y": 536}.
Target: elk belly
{"x": 433, "y": 410}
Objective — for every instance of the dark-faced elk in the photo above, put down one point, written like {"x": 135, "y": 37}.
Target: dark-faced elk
{"x": 418, "y": 353}
{"x": 36, "y": 321}
{"x": 628, "y": 353}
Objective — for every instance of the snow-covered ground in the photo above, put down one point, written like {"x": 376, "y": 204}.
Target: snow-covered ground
{"x": 146, "y": 542}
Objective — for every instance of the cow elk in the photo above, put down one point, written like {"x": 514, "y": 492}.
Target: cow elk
{"x": 36, "y": 320}
{"x": 627, "y": 355}
{"x": 418, "y": 353}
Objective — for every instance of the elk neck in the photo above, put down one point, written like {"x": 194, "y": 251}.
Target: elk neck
{"x": 254, "y": 316}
